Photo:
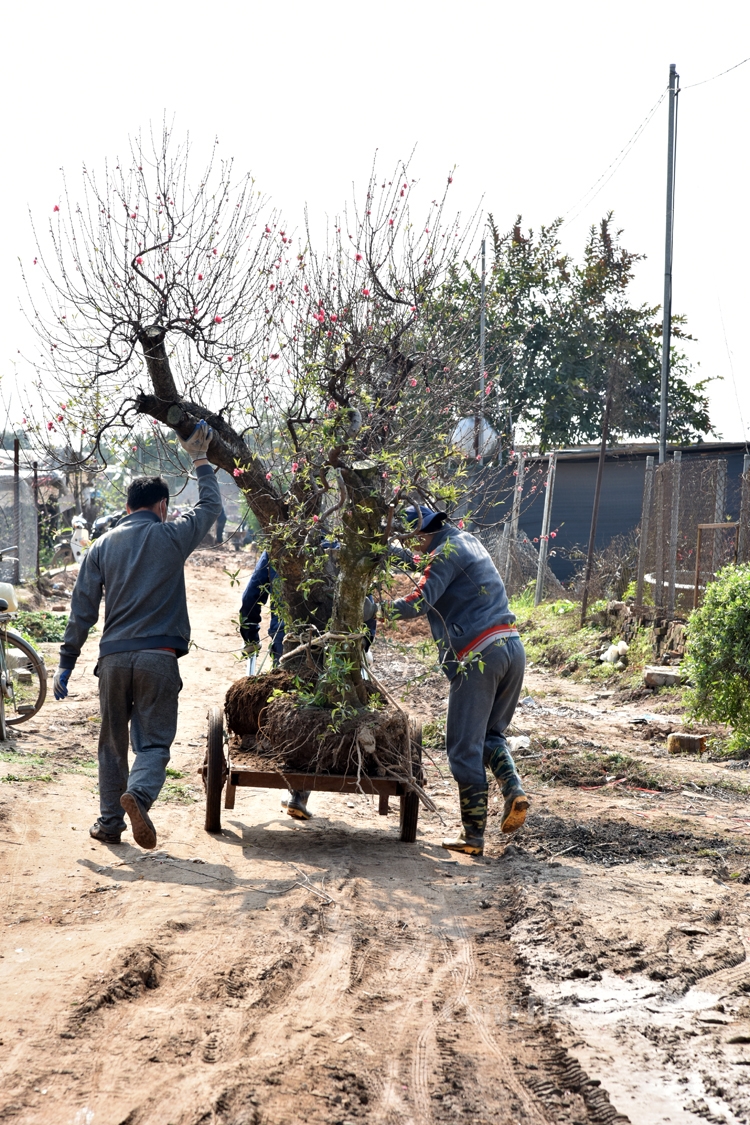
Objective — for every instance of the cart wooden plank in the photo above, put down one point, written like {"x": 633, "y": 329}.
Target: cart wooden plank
{"x": 326, "y": 783}
{"x": 217, "y": 771}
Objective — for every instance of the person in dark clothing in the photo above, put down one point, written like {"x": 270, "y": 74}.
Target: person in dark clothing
{"x": 254, "y": 597}
{"x": 465, "y": 602}
{"x": 140, "y": 564}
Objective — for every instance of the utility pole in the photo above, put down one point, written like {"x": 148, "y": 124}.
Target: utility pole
{"x": 479, "y": 416}
{"x": 674, "y": 89}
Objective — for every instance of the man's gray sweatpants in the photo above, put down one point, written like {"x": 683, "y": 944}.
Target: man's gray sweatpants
{"x": 480, "y": 707}
{"x": 139, "y": 688}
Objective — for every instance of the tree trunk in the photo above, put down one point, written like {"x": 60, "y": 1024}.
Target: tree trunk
{"x": 227, "y": 449}
{"x": 361, "y": 520}
{"x": 334, "y": 605}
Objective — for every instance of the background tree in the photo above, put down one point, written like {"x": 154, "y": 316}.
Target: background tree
{"x": 554, "y": 328}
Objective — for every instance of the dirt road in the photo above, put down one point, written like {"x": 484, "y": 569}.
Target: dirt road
{"x": 594, "y": 970}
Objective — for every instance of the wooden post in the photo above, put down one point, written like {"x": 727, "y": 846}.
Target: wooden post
{"x": 720, "y": 507}
{"x": 512, "y": 529}
{"x": 674, "y": 526}
{"x": 37, "y": 515}
{"x": 648, "y": 490}
{"x": 17, "y": 508}
{"x": 659, "y": 557}
{"x": 696, "y": 591}
{"x": 546, "y": 524}
{"x": 743, "y": 544}
{"x": 597, "y": 495}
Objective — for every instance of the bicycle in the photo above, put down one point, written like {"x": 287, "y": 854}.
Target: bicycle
{"x": 23, "y": 676}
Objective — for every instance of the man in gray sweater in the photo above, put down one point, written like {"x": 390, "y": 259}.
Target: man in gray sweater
{"x": 480, "y": 651}
{"x": 139, "y": 565}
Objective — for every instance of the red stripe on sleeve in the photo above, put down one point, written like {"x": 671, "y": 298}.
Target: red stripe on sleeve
{"x": 416, "y": 594}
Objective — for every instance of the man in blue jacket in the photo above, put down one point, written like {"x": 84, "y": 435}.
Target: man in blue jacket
{"x": 480, "y": 650}
{"x": 140, "y": 564}
{"x": 254, "y": 597}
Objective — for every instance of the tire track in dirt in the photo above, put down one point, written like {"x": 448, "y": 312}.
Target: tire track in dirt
{"x": 426, "y": 1049}
{"x": 506, "y": 1069}
{"x": 460, "y": 965}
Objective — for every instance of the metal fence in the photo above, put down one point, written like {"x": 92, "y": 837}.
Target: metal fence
{"x": 18, "y": 528}
{"x": 686, "y": 537}
{"x": 518, "y": 560}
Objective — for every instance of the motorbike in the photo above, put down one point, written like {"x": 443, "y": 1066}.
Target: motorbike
{"x": 71, "y": 547}
{"x": 106, "y": 523}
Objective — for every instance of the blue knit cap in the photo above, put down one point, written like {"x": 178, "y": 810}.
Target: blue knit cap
{"x": 412, "y": 518}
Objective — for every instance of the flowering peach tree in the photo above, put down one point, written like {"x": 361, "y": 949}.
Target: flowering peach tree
{"x": 331, "y": 385}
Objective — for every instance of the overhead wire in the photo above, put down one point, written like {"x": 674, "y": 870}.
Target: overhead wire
{"x": 610, "y": 170}
{"x": 625, "y": 151}
{"x": 703, "y": 81}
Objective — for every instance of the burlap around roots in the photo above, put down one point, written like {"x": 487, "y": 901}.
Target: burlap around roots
{"x": 293, "y": 737}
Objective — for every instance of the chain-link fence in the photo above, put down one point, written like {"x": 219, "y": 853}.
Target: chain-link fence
{"x": 517, "y": 561}
{"x": 18, "y": 529}
{"x": 684, "y": 503}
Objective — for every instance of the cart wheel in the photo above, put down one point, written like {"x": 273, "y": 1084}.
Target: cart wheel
{"x": 415, "y": 732}
{"x": 215, "y": 772}
{"x": 409, "y": 816}
{"x": 410, "y": 800}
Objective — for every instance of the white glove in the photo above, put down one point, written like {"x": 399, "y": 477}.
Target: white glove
{"x": 196, "y": 446}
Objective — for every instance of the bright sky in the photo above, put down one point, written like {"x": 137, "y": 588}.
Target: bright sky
{"x": 532, "y": 102}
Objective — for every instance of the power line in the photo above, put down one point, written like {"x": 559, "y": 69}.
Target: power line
{"x": 610, "y": 170}
{"x": 721, "y": 75}
{"x": 624, "y": 152}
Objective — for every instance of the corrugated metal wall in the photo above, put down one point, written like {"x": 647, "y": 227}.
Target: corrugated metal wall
{"x": 622, "y": 496}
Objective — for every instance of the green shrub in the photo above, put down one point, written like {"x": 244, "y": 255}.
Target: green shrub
{"x": 718, "y": 654}
{"x": 40, "y": 625}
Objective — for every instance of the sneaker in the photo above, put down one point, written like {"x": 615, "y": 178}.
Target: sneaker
{"x": 469, "y": 845}
{"x": 96, "y": 832}
{"x": 514, "y": 813}
{"x": 297, "y": 808}
{"x": 144, "y": 832}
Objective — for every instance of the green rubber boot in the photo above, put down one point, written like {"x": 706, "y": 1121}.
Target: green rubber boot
{"x": 516, "y": 802}
{"x": 296, "y": 805}
{"x": 473, "y": 801}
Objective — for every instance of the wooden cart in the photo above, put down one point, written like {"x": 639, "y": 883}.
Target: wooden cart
{"x": 217, "y": 771}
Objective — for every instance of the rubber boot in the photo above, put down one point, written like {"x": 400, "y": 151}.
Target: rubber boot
{"x": 473, "y": 801}
{"x": 296, "y": 805}
{"x": 516, "y": 802}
